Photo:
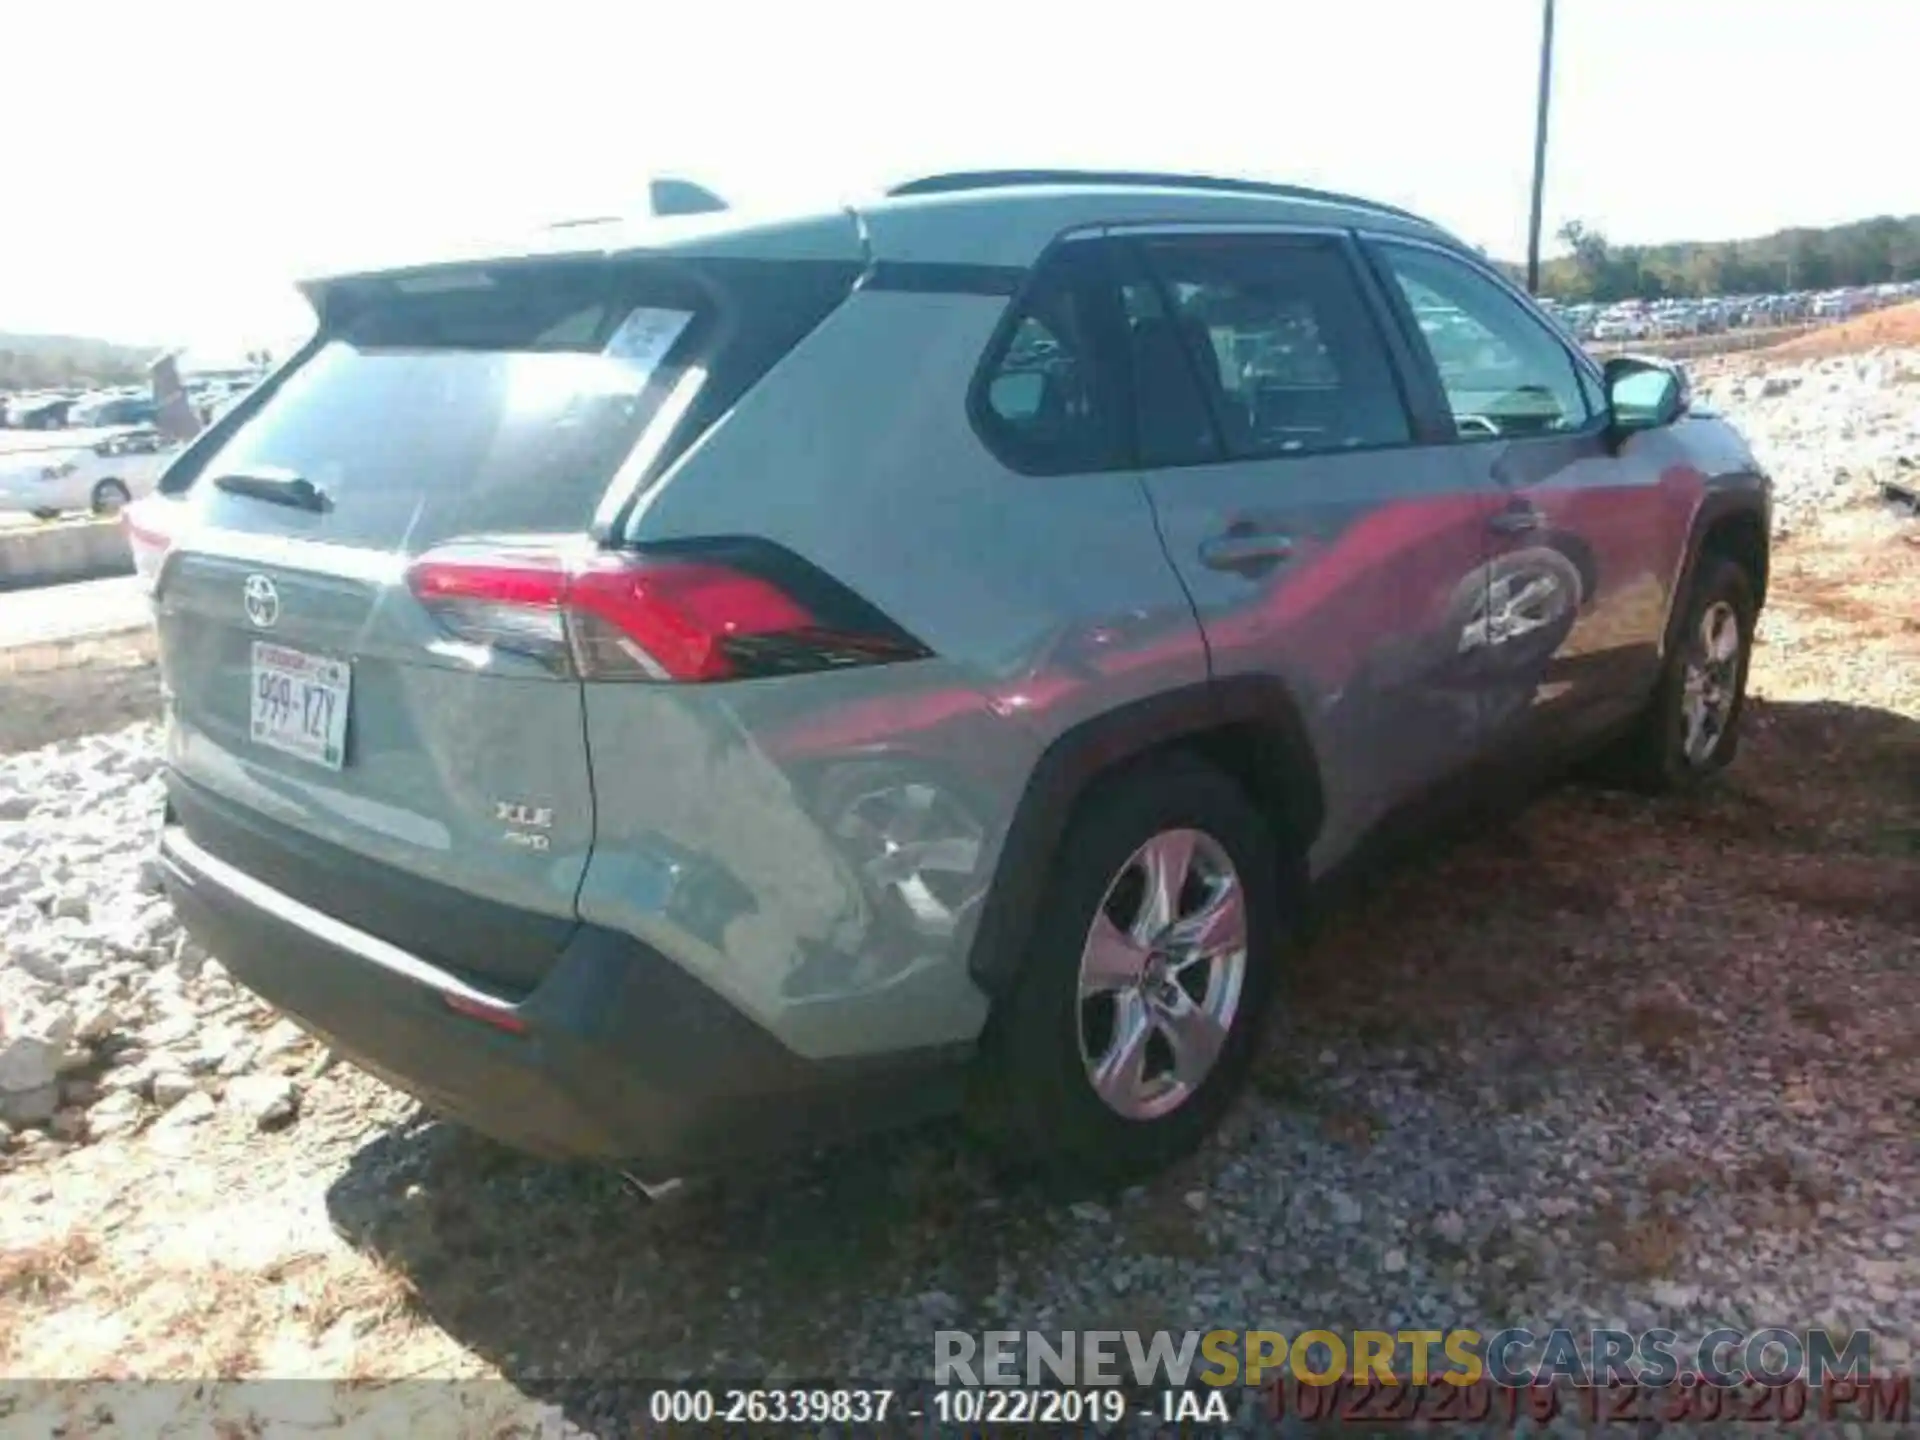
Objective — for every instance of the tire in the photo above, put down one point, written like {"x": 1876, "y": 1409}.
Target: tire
{"x": 110, "y": 497}
{"x": 1662, "y": 754}
{"x": 1035, "y": 1098}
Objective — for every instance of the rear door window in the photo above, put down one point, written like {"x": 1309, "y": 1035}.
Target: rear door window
{"x": 1279, "y": 339}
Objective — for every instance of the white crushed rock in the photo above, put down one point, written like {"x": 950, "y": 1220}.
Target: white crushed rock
{"x": 268, "y": 1100}
{"x": 1828, "y": 430}
{"x": 109, "y": 1016}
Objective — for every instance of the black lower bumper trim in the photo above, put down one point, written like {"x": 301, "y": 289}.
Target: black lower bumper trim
{"x": 624, "y": 1056}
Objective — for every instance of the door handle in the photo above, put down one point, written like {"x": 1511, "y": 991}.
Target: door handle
{"x": 1516, "y": 520}
{"x": 1239, "y": 550}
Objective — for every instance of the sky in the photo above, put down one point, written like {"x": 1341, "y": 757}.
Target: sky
{"x": 171, "y": 169}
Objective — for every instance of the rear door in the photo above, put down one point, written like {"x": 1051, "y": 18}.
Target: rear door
{"x": 1323, "y": 541}
{"x": 327, "y": 735}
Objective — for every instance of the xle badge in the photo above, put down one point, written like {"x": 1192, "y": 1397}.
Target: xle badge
{"x": 523, "y": 823}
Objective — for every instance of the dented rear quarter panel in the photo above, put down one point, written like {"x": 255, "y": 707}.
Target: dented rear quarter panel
{"x": 725, "y": 832}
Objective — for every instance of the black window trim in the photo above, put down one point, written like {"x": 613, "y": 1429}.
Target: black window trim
{"x": 982, "y": 419}
{"x": 1428, "y": 421}
{"x": 1136, "y": 268}
{"x": 1372, "y": 243}
{"x": 1423, "y": 397}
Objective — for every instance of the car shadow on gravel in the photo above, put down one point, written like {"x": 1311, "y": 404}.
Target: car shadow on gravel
{"x": 1448, "y": 974}
{"x": 563, "y": 1272}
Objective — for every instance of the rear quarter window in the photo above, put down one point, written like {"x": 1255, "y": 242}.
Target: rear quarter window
{"x": 1045, "y": 399}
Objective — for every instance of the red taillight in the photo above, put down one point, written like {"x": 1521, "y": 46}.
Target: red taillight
{"x": 508, "y": 601}
{"x": 687, "y": 616}
{"x": 149, "y": 537}
{"x": 535, "y": 579}
{"x": 681, "y": 615}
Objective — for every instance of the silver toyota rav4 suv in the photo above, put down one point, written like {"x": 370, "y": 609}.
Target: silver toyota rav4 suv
{"x": 695, "y": 688}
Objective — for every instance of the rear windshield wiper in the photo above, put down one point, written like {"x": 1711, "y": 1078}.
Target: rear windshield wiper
{"x": 282, "y": 487}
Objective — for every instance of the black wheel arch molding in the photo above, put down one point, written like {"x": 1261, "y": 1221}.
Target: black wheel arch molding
{"x": 1257, "y": 706}
{"x": 1742, "y": 500}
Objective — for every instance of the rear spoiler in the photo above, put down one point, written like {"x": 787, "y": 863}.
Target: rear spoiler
{"x": 682, "y": 197}
{"x": 664, "y": 197}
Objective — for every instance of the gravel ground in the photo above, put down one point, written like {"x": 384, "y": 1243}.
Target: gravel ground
{"x": 1608, "y": 1061}
{"x": 1827, "y": 429}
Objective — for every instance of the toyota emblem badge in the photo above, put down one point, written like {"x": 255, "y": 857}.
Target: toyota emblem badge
{"x": 262, "y": 601}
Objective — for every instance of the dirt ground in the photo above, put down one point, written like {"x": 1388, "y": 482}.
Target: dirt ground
{"x": 1896, "y": 325}
{"x": 121, "y": 685}
{"x": 367, "y": 1243}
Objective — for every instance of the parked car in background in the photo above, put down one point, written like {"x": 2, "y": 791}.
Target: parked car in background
{"x": 36, "y": 482}
{"x": 44, "y": 411}
{"x": 212, "y": 400}
{"x": 98, "y": 412}
{"x": 102, "y": 478}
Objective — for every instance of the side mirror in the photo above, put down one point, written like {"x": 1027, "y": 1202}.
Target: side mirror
{"x": 1645, "y": 392}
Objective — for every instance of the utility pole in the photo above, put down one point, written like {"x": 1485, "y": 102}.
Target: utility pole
{"x": 1540, "y": 145}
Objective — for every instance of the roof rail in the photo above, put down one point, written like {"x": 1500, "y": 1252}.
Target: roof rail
{"x": 1003, "y": 179}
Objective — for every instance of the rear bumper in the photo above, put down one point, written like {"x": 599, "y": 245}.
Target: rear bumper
{"x": 619, "y": 1054}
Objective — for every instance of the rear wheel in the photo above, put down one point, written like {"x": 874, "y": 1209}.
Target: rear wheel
{"x": 110, "y": 497}
{"x": 1140, "y": 996}
{"x": 1690, "y": 729}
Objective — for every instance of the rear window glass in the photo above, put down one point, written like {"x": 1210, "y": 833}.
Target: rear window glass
{"x": 485, "y": 401}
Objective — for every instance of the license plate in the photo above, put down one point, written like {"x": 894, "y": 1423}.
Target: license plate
{"x": 300, "y": 703}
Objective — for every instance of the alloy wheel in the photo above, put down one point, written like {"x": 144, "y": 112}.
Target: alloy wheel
{"x": 1711, "y": 683}
{"x": 1161, "y": 974}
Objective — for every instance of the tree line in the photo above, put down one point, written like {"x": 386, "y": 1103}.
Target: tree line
{"x": 62, "y": 362}
{"x": 1866, "y": 252}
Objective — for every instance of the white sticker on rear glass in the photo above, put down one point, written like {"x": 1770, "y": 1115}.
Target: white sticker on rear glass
{"x": 645, "y": 337}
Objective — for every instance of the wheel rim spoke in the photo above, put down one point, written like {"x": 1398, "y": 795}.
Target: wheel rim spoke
{"x": 1166, "y": 859}
{"x": 1120, "y": 1076}
{"x": 1217, "y": 928}
{"x": 1112, "y": 961}
{"x": 1712, "y": 682}
{"x": 1696, "y": 725}
{"x": 1724, "y": 640}
{"x": 1195, "y": 1036}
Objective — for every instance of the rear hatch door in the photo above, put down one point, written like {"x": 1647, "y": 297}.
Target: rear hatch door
{"x": 326, "y": 735}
